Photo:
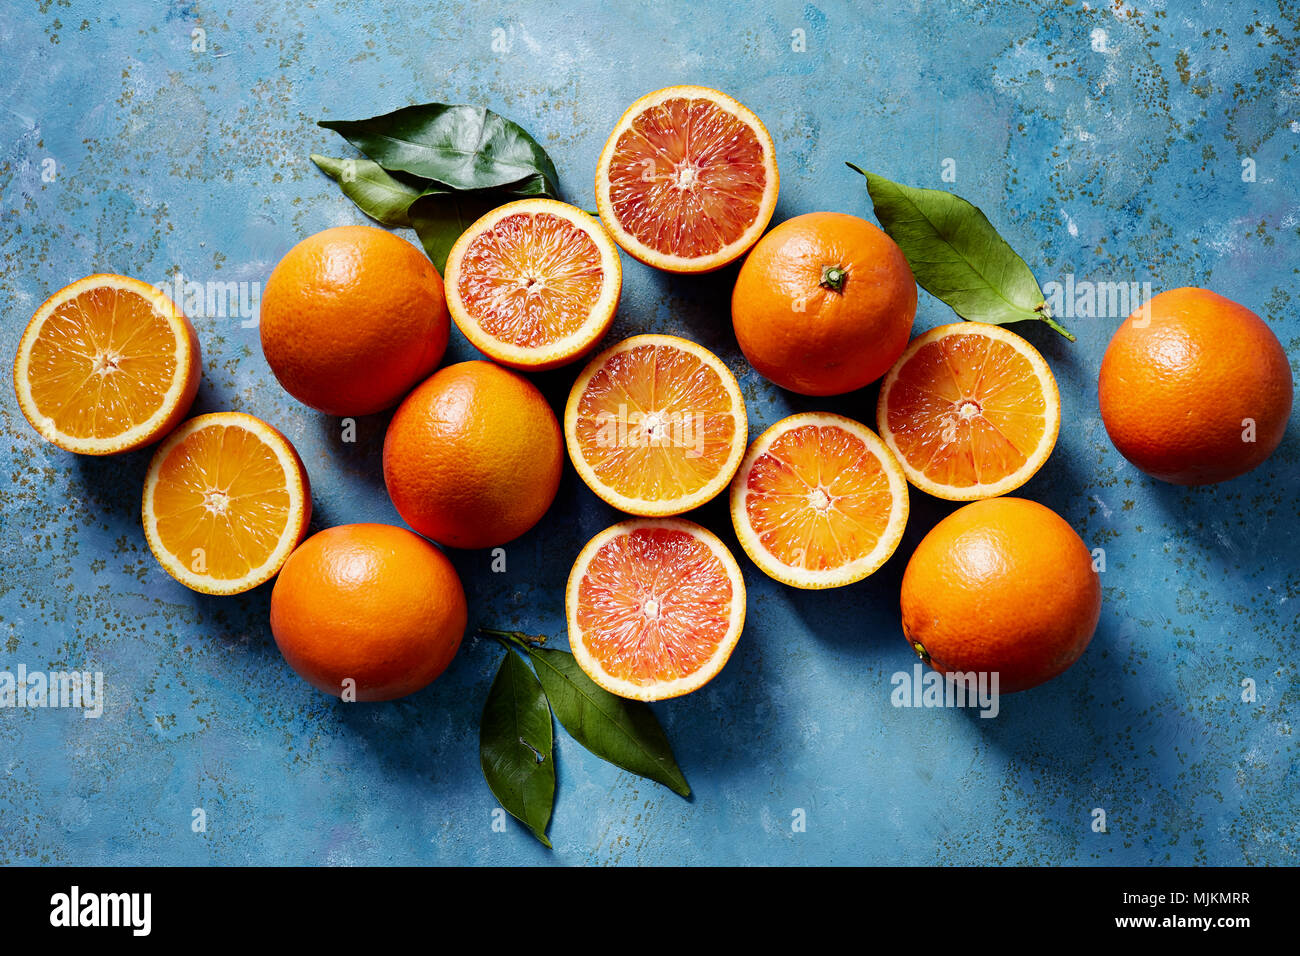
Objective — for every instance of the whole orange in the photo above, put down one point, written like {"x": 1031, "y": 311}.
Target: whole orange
{"x": 1195, "y": 388}
{"x": 473, "y": 457}
{"x": 824, "y": 304}
{"x": 352, "y": 318}
{"x": 368, "y": 603}
{"x": 1002, "y": 585}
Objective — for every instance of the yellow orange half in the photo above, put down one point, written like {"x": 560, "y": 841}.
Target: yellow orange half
{"x": 226, "y": 500}
{"x": 819, "y": 501}
{"x": 971, "y": 410}
{"x": 106, "y": 365}
{"x": 534, "y": 284}
{"x": 655, "y": 607}
{"x": 655, "y": 425}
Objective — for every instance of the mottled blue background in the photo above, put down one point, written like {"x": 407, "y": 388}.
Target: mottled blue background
{"x": 1106, "y": 141}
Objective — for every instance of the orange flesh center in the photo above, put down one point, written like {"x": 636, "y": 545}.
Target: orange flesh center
{"x": 654, "y": 604}
{"x": 656, "y": 422}
{"x": 687, "y": 178}
{"x": 967, "y": 410}
{"x": 818, "y": 498}
{"x": 531, "y": 279}
{"x": 102, "y": 363}
{"x": 221, "y": 502}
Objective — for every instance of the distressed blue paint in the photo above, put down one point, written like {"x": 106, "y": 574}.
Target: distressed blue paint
{"x": 1116, "y": 164}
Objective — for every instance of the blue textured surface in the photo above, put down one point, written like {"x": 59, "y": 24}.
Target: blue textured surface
{"x": 1107, "y": 143}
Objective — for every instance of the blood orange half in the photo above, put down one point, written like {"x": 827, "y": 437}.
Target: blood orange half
{"x": 819, "y": 501}
{"x": 534, "y": 284}
{"x": 971, "y": 410}
{"x": 687, "y": 181}
{"x": 656, "y": 425}
{"x": 655, "y": 607}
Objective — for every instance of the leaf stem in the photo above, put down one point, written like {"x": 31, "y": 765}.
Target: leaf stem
{"x": 518, "y": 638}
{"x": 1046, "y": 314}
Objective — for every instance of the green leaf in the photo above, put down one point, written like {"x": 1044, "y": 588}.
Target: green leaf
{"x": 461, "y": 147}
{"x": 439, "y": 218}
{"x": 516, "y": 746}
{"x": 437, "y": 168}
{"x": 957, "y": 255}
{"x": 624, "y": 732}
{"x": 380, "y": 195}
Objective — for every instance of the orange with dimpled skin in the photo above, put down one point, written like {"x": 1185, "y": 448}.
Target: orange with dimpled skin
{"x": 1002, "y": 585}
{"x": 473, "y": 457}
{"x": 368, "y": 603}
{"x": 1194, "y": 388}
{"x": 352, "y": 319}
{"x": 824, "y": 304}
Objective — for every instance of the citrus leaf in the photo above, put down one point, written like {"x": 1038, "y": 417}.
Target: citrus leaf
{"x": 377, "y": 193}
{"x": 461, "y": 147}
{"x": 956, "y": 254}
{"x": 516, "y": 745}
{"x": 439, "y": 218}
{"x": 623, "y": 732}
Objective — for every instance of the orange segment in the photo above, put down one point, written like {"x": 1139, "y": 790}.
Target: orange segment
{"x": 655, "y": 608}
{"x": 534, "y": 284}
{"x": 656, "y": 425}
{"x": 226, "y": 500}
{"x": 688, "y": 179}
{"x": 107, "y": 364}
{"x": 971, "y": 410}
{"x": 819, "y": 501}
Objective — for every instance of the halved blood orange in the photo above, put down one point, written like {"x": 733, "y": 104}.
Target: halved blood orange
{"x": 971, "y": 410}
{"x": 819, "y": 501}
{"x": 656, "y": 425}
{"x": 533, "y": 284}
{"x": 226, "y": 500}
{"x": 106, "y": 365}
{"x": 687, "y": 181}
{"x": 655, "y": 607}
